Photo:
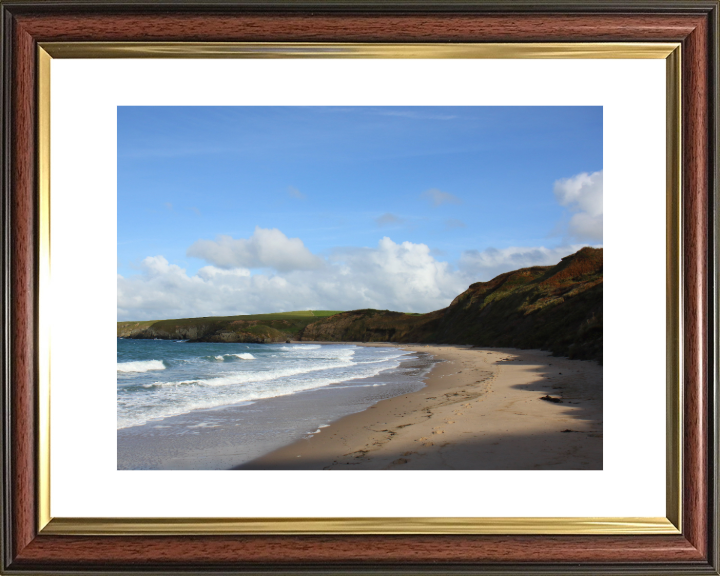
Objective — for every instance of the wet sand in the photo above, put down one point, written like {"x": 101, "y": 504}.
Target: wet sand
{"x": 482, "y": 409}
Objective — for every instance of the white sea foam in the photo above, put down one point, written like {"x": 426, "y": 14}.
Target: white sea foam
{"x": 241, "y": 356}
{"x": 250, "y": 377}
{"x": 207, "y": 382}
{"x": 189, "y": 400}
{"x": 140, "y": 366}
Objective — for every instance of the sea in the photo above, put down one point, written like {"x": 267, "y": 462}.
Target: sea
{"x": 213, "y": 406}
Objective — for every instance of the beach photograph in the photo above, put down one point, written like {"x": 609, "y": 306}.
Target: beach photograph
{"x": 359, "y": 288}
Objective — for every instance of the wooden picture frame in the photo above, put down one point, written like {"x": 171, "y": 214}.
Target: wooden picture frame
{"x": 29, "y": 547}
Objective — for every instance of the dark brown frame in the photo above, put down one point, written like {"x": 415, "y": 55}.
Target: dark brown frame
{"x": 694, "y": 23}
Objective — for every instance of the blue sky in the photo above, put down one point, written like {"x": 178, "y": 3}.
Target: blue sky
{"x": 242, "y": 199}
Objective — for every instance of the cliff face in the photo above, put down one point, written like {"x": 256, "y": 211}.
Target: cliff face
{"x": 556, "y": 308}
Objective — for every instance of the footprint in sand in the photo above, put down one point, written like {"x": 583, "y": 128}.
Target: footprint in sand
{"x": 438, "y": 431}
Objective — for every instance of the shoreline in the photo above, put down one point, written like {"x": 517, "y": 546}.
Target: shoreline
{"x": 480, "y": 409}
{"x": 221, "y": 437}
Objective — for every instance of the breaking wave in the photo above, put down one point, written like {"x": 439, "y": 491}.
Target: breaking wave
{"x": 141, "y": 366}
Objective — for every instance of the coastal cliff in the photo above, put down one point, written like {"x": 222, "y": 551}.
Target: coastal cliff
{"x": 556, "y": 308}
{"x": 251, "y": 329}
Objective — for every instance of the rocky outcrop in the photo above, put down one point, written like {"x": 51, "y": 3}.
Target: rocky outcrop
{"x": 192, "y": 332}
{"x": 260, "y": 335}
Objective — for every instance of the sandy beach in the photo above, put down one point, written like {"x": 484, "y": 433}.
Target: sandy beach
{"x": 481, "y": 409}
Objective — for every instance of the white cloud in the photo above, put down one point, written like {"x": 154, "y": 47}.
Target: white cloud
{"x": 397, "y": 276}
{"x": 391, "y": 276}
{"x": 438, "y": 197}
{"x": 583, "y": 195}
{"x": 266, "y": 248}
{"x": 489, "y": 263}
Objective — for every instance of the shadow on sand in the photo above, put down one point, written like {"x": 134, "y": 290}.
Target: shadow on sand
{"x": 574, "y": 447}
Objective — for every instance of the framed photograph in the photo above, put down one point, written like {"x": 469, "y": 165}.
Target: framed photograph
{"x": 349, "y": 262}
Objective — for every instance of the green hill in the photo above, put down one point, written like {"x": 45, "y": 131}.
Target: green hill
{"x": 254, "y": 328}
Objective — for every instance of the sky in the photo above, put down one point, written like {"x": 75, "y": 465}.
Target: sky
{"x": 245, "y": 210}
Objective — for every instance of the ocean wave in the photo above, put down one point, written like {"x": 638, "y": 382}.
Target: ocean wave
{"x": 252, "y": 377}
{"x": 159, "y": 384}
{"x": 141, "y": 366}
{"x": 241, "y": 356}
{"x": 207, "y": 382}
{"x": 175, "y": 398}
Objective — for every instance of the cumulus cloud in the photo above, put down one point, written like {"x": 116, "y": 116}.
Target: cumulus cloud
{"x": 266, "y": 248}
{"x": 438, "y": 197}
{"x": 396, "y": 276}
{"x": 583, "y": 196}
{"x": 489, "y": 263}
{"x": 388, "y": 219}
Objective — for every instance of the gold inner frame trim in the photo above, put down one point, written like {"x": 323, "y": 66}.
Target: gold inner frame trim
{"x": 609, "y": 50}
{"x": 268, "y": 526}
{"x": 674, "y": 335}
{"x": 44, "y": 323}
{"x": 671, "y": 52}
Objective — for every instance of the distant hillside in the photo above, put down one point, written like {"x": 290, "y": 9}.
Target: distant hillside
{"x": 254, "y": 328}
{"x": 373, "y": 326}
{"x": 556, "y": 308}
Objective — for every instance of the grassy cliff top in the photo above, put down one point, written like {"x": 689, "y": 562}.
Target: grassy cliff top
{"x": 204, "y": 319}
